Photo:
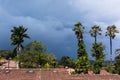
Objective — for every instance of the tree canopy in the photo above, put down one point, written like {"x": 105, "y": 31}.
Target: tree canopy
{"x": 35, "y": 46}
{"x": 34, "y": 56}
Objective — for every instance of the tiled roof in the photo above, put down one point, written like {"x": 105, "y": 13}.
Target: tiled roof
{"x": 21, "y": 74}
{"x": 50, "y": 74}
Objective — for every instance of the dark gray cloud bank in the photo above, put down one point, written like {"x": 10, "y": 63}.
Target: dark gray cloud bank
{"x": 51, "y": 22}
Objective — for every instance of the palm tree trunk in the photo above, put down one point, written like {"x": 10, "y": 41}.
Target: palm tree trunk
{"x": 18, "y": 51}
{"x": 110, "y": 51}
{"x": 95, "y": 40}
{"x": 95, "y": 43}
{"x": 95, "y": 37}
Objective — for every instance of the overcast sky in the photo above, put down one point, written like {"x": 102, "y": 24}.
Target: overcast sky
{"x": 51, "y": 22}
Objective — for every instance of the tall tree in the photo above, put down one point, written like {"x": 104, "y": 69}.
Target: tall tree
{"x": 17, "y": 38}
{"x": 97, "y": 49}
{"x": 34, "y": 56}
{"x": 35, "y": 46}
{"x": 82, "y": 60}
{"x": 95, "y": 30}
{"x": 78, "y": 29}
{"x": 111, "y": 30}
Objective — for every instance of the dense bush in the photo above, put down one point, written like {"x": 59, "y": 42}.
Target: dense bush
{"x": 117, "y": 65}
{"x": 34, "y": 56}
{"x": 67, "y": 61}
{"x": 98, "y": 54}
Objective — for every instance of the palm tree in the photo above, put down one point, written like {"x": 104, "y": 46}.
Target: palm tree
{"x": 82, "y": 60}
{"x": 78, "y": 30}
{"x": 111, "y": 30}
{"x": 17, "y": 38}
{"x": 96, "y": 30}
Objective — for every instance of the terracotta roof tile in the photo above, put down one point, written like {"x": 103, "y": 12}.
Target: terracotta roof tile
{"x": 50, "y": 74}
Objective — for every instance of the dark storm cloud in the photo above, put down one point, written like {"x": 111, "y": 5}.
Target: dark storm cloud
{"x": 45, "y": 20}
{"x": 51, "y": 21}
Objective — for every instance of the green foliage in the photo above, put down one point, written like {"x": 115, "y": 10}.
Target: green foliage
{"x": 96, "y": 30}
{"x": 35, "y": 46}
{"x": 111, "y": 30}
{"x": 51, "y": 60}
{"x": 82, "y": 64}
{"x": 28, "y": 59}
{"x": 46, "y": 65}
{"x": 98, "y": 51}
{"x": 47, "y": 58}
{"x": 6, "y": 54}
{"x": 97, "y": 67}
{"x": 81, "y": 49}
{"x": 117, "y": 64}
{"x": 78, "y": 28}
{"x": 67, "y": 61}
{"x": 15, "y": 58}
{"x": 98, "y": 54}
{"x": 31, "y": 59}
{"x": 33, "y": 56}
{"x": 17, "y": 36}
{"x": 110, "y": 68}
